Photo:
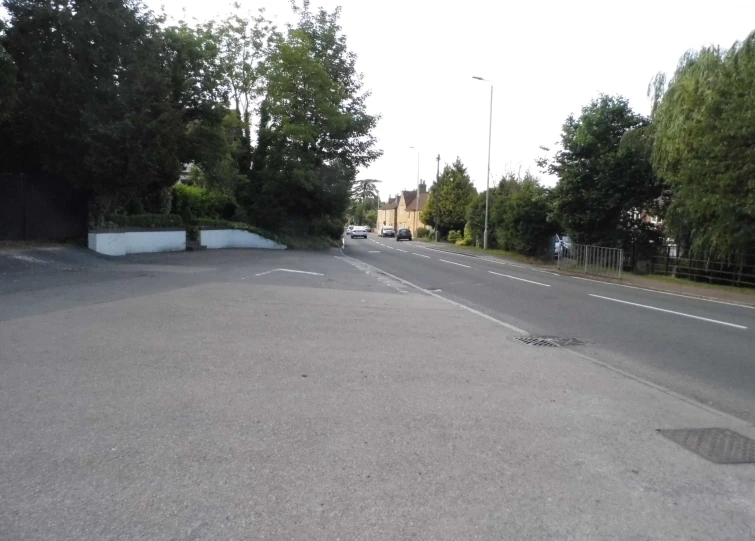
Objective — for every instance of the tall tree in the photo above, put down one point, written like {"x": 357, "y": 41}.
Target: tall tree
{"x": 454, "y": 192}
{"x": 604, "y": 184}
{"x": 314, "y": 131}
{"x": 94, "y": 101}
{"x": 705, "y": 150}
{"x": 8, "y": 71}
{"x": 363, "y": 189}
{"x": 520, "y": 219}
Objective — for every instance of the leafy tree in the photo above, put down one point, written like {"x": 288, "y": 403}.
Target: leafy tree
{"x": 8, "y": 70}
{"x": 363, "y": 189}
{"x": 314, "y": 131}
{"x": 704, "y": 149}
{"x": 605, "y": 176}
{"x": 509, "y": 184}
{"x": 454, "y": 191}
{"x": 94, "y": 100}
{"x": 521, "y": 219}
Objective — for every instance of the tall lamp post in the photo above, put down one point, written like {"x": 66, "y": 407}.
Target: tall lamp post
{"x": 416, "y": 200}
{"x": 487, "y": 185}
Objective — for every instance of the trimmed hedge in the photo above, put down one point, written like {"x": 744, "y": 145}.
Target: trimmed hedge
{"x": 226, "y": 224}
{"x": 193, "y": 203}
{"x": 153, "y": 221}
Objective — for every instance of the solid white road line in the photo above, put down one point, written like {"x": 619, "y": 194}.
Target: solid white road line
{"x": 373, "y": 251}
{"x": 664, "y": 292}
{"x": 421, "y": 255}
{"x": 452, "y": 263}
{"x": 520, "y": 279}
{"x": 671, "y": 312}
{"x": 290, "y": 270}
{"x": 400, "y": 250}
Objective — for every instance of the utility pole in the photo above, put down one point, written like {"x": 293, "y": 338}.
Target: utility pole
{"x": 437, "y": 188}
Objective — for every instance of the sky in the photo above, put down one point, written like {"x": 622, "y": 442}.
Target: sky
{"x": 546, "y": 60}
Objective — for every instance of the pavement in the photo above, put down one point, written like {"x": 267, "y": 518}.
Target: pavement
{"x": 297, "y": 395}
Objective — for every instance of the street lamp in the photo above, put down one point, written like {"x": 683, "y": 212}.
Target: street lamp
{"x": 416, "y": 204}
{"x": 487, "y": 185}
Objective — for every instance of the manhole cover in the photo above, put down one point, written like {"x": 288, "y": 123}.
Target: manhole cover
{"x": 549, "y": 341}
{"x": 718, "y": 445}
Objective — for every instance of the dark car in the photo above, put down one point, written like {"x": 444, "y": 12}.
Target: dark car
{"x": 404, "y": 233}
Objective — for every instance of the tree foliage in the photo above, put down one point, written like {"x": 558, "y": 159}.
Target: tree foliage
{"x": 605, "y": 175}
{"x": 704, "y": 149}
{"x": 314, "y": 131}
{"x": 454, "y": 192}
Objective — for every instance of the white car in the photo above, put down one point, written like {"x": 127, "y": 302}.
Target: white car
{"x": 348, "y": 229}
{"x": 358, "y": 231}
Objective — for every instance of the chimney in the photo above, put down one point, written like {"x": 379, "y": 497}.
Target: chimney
{"x": 422, "y": 187}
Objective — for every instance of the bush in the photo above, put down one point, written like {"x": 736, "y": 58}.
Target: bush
{"x": 465, "y": 242}
{"x": 145, "y": 220}
{"x": 453, "y": 236}
{"x": 423, "y": 233}
{"x": 193, "y": 202}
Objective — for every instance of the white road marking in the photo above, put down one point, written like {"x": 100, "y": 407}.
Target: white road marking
{"x": 452, "y": 263}
{"x": 400, "y": 250}
{"x": 290, "y": 270}
{"x": 663, "y": 292}
{"x": 346, "y": 258}
{"x": 671, "y": 312}
{"x": 373, "y": 251}
{"x": 422, "y": 255}
{"x": 520, "y": 279}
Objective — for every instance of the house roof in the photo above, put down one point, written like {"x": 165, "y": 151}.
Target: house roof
{"x": 389, "y": 206}
{"x": 417, "y": 201}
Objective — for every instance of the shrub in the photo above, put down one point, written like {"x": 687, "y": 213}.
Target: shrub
{"x": 422, "y": 233}
{"x": 465, "y": 242}
{"x": 453, "y": 236}
{"x": 145, "y": 220}
{"x": 193, "y": 202}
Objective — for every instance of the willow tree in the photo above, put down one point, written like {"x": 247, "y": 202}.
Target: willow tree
{"x": 705, "y": 150}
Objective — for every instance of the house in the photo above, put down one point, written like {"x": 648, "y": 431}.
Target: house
{"x": 405, "y": 210}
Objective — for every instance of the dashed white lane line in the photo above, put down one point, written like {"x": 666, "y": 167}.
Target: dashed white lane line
{"x": 421, "y": 255}
{"x": 664, "y": 292}
{"x": 373, "y": 251}
{"x": 671, "y": 312}
{"x": 520, "y": 279}
{"x": 452, "y": 263}
{"x": 400, "y": 250}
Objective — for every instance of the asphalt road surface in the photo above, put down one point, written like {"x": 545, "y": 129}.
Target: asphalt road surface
{"x": 242, "y": 394}
{"x": 701, "y": 349}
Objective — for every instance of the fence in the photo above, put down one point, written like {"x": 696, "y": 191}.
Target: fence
{"x": 597, "y": 260}
{"x": 673, "y": 261}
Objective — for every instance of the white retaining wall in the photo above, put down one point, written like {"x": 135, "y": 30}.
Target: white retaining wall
{"x": 137, "y": 242}
{"x": 235, "y": 238}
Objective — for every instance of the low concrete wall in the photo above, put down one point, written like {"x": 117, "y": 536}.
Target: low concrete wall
{"x": 235, "y": 238}
{"x": 137, "y": 242}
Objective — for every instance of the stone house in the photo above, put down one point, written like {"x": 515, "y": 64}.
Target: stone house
{"x": 404, "y": 211}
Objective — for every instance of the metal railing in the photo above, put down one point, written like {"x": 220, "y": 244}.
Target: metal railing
{"x": 597, "y": 260}
{"x": 676, "y": 263}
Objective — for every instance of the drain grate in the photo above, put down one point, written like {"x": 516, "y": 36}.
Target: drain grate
{"x": 718, "y": 445}
{"x": 549, "y": 341}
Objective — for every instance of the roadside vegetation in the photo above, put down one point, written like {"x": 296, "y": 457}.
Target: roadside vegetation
{"x": 264, "y": 126}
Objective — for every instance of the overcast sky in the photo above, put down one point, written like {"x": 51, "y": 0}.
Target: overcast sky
{"x": 546, "y": 59}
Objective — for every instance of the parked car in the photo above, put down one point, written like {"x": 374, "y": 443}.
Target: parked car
{"x": 563, "y": 243}
{"x": 358, "y": 231}
{"x": 404, "y": 233}
{"x": 386, "y": 231}
{"x": 368, "y": 228}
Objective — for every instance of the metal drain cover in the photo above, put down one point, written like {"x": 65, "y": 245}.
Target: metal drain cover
{"x": 718, "y": 445}
{"x": 549, "y": 341}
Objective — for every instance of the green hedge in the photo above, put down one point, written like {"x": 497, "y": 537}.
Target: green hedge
{"x": 193, "y": 203}
{"x": 226, "y": 224}
{"x": 145, "y": 220}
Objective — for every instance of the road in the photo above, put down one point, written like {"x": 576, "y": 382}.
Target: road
{"x": 243, "y": 394}
{"x": 703, "y": 350}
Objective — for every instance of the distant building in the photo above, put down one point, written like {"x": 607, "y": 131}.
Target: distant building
{"x": 404, "y": 211}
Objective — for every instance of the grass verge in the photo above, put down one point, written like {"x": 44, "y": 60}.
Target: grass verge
{"x": 672, "y": 280}
{"x": 475, "y": 250}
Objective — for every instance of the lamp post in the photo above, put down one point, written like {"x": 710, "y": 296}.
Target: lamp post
{"x": 416, "y": 200}
{"x": 487, "y": 184}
